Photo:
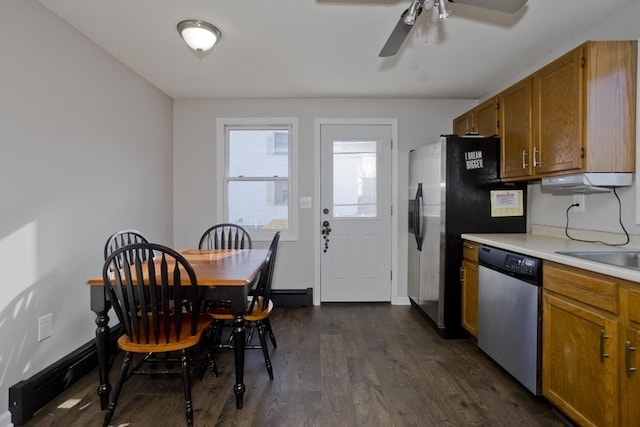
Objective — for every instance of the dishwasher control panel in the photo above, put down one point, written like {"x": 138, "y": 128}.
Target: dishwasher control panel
{"x": 517, "y": 265}
{"x": 520, "y": 264}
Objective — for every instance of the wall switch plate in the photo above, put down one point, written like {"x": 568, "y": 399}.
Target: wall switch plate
{"x": 45, "y": 326}
{"x": 578, "y": 199}
{"x": 305, "y": 202}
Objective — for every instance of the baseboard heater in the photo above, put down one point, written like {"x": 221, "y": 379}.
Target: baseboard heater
{"x": 292, "y": 297}
{"x": 27, "y": 396}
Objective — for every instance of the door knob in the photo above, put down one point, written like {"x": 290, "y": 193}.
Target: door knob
{"x": 326, "y": 229}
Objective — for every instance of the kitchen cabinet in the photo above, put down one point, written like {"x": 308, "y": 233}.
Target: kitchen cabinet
{"x": 576, "y": 114}
{"x": 516, "y": 130}
{"x": 469, "y": 283}
{"x": 584, "y": 106}
{"x": 591, "y": 328}
{"x": 482, "y": 120}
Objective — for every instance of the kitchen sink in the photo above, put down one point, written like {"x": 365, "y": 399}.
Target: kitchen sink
{"x": 627, "y": 259}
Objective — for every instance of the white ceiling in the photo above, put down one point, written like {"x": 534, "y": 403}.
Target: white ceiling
{"x": 329, "y": 48}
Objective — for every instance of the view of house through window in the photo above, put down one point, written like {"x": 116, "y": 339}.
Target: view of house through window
{"x": 257, "y": 181}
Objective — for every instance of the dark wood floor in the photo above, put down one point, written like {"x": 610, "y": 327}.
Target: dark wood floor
{"x": 336, "y": 365}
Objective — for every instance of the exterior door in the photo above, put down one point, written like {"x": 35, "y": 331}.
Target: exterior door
{"x": 355, "y": 204}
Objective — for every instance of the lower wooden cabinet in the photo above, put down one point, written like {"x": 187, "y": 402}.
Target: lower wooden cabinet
{"x": 631, "y": 366}
{"x": 579, "y": 359}
{"x": 590, "y": 345}
{"x": 469, "y": 283}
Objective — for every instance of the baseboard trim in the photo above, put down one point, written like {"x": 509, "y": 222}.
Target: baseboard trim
{"x": 292, "y": 297}
{"x": 27, "y": 396}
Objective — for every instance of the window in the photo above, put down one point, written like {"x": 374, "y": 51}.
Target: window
{"x": 256, "y": 175}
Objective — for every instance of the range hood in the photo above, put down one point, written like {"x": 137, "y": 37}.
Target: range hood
{"x": 593, "y": 182}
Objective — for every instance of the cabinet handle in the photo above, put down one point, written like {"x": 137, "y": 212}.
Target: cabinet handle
{"x": 627, "y": 357}
{"x": 535, "y": 157}
{"x": 461, "y": 275}
{"x": 468, "y": 246}
{"x": 603, "y": 337}
{"x": 524, "y": 159}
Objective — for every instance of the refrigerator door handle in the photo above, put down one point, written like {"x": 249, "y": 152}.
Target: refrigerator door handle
{"x": 417, "y": 217}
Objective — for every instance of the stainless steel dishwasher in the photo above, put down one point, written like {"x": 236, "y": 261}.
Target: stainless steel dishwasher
{"x": 509, "y": 316}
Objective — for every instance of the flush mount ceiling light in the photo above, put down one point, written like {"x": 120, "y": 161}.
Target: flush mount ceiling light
{"x": 199, "y": 35}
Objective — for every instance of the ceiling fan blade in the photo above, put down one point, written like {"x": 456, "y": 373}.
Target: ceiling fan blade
{"x": 508, "y": 6}
{"x": 396, "y": 39}
{"x": 401, "y": 30}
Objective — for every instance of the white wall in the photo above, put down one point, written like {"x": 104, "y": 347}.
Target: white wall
{"x": 85, "y": 150}
{"x": 601, "y": 212}
{"x": 419, "y": 122}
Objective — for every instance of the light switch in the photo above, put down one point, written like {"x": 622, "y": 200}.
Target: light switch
{"x": 305, "y": 202}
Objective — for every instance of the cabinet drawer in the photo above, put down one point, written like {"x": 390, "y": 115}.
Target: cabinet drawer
{"x": 634, "y": 303}
{"x": 470, "y": 250}
{"x": 595, "y": 289}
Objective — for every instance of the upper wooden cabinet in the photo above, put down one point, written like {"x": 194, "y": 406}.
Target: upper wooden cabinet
{"x": 576, "y": 114}
{"x": 516, "y": 130}
{"x": 584, "y": 105}
{"x": 482, "y": 120}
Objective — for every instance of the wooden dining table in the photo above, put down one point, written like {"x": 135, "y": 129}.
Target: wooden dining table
{"x": 227, "y": 274}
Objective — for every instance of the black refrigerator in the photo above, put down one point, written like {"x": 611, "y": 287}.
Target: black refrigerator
{"x": 455, "y": 188}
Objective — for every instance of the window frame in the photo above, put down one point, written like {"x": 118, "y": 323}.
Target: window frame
{"x": 222, "y": 170}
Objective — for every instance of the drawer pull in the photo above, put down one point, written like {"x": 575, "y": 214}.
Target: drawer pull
{"x": 627, "y": 357}
{"x": 468, "y": 246}
{"x": 603, "y": 337}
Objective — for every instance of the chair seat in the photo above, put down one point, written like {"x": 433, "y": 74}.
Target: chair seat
{"x": 186, "y": 340}
{"x": 225, "y": 313}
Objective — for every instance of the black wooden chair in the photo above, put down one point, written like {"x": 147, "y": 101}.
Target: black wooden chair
{"x": 123, "y": 238}
{"x": 225, "y": 236}
{"x": 154, "y": 303}
{"x": 259, "y": 307}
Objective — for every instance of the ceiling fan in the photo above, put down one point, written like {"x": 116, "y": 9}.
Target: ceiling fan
{"x": 409, "y": 16}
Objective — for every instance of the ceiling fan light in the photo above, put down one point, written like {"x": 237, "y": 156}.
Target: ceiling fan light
{"x": 443, "y": 10}
{"x": 410, "y": 15}
{"x": 199, "y": 35}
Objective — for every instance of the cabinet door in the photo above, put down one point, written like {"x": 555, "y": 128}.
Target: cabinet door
{"x": 469, "y": 283}
{"x": 486, "y": 118}
{"x": 580, "y": 362}
{"x": 559, "y": 109}
{"x": 463, "y": 124}
{"x": 631, "y": 358}
{"x": 516, "y": 130}
{"x": 631, "y": 379}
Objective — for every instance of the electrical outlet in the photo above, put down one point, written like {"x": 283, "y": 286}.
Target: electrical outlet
{"x": 578, "y": 199}
{"x": 45, "y": 326}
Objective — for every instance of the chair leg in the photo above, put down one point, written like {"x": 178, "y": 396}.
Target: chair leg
{"x": 188, "y": 404}
{"x": 272, "y": 336}
{"x": 265, "y": 350}
{"x": 124, "y": 375}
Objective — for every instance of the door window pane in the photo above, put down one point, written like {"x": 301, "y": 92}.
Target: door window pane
{"x": 354, "y": 179}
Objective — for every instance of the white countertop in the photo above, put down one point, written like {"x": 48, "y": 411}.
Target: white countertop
{"x": 545, "y": 247}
